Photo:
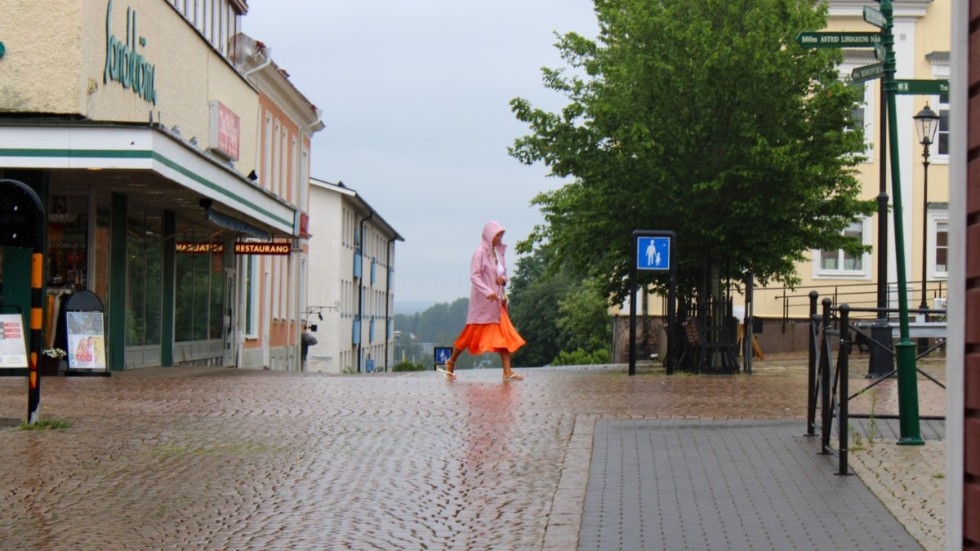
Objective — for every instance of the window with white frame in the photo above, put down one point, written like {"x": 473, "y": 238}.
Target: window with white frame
{"x": 938, "y": 245}
{"x": 863, "y": 111}
{"x": 939, "y": 63}
{"x": 839, "y": 263}
{"x": 942, "y": 135}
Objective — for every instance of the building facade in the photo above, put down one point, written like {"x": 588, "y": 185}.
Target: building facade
{"x": 351, "y": 283}
{"x": 963, "y": 357}
{"x": 136, "y": 123}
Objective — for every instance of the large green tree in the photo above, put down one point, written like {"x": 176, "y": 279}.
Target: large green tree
{"x": 705, "y": 118}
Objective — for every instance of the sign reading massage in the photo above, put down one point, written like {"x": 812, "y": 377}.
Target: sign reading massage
{"x": 123, "y": 64}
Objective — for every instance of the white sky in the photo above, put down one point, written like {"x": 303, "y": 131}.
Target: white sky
{"x": 415, "y": 101}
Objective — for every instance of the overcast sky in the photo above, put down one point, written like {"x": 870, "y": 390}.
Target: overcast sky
{"x": 415, "y": 97}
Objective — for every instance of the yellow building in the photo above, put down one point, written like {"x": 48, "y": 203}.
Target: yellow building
{"x": 139, "y": 125}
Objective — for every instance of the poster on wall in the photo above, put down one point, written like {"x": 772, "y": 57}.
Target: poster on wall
{"x": 86, "y": 341}
{"x": 13, "y": 346}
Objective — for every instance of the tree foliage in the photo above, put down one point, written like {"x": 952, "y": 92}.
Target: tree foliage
{"x": 705, "y": 118}
{"x": 556, "y": 311}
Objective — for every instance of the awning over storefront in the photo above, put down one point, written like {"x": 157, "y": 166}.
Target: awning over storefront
{"x": 232, "y": 224}
{"x": 129, "y": 148}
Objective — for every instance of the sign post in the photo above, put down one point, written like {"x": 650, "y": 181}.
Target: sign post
{"x": 908, "y": 393}
{"x": 653, "y": 251}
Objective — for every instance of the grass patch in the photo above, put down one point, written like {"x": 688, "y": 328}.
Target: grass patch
{"x": 46, "y": 424}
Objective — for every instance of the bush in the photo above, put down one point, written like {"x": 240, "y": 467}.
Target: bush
{"x": 581, "y": 357}
{"x": 408, "y": 366}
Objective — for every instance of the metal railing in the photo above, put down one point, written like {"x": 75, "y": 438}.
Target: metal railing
{"x": 827, "y": 379}
{"x": 861, "y": 296}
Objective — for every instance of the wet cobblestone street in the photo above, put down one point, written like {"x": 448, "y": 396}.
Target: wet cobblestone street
{"x": 211, "y": 458}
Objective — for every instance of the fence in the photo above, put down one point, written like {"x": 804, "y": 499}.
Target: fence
{"x": 828, "y": 380}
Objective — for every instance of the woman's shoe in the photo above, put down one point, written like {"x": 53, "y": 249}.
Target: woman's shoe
{"x": 448, "y": 371}
{"x": 513, "y": 377}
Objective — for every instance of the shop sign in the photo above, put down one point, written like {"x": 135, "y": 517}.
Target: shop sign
{"x": 13, "y": 346}
{"x": 304, "y": 224}
{"x": 268, "y": 247}
{"x": 192, "y": 247}
{"x": 225, "y": 130}
{"x": 123, "y": 64}
{"x": 86, "y": 340}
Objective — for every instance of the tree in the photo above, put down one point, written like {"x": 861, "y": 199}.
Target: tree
{"x": 555, "y": 310}
{"x": 705, "y": 118}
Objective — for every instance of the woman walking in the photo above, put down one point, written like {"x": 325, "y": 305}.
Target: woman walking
{"x": 488, "y": 327}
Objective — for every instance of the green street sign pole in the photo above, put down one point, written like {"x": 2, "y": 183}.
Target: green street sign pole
{"x": 908, "y": 393}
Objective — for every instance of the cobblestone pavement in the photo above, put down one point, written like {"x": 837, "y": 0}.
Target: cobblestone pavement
{"x": 212, "y": 458}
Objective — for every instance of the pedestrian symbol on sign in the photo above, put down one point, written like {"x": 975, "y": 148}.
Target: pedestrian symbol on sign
{"x": 653, "y": 253}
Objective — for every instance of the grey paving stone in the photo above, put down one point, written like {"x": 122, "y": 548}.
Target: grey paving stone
{"x": 727, "y": 485}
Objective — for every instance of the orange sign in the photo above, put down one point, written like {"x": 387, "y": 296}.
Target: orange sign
{"x": 189, "y": 247}
{"x": 267, "y": 247}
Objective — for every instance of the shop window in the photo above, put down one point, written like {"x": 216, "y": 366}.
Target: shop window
{"x": 144, "y": 255}
{"x": 67, "y": 241}
{"x": 199, "y": 285}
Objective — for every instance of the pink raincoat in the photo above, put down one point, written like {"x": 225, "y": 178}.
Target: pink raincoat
{"x": 483, "y": 276}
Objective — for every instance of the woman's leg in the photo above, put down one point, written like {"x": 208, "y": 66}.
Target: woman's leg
{"x": 451, "y": 362}
{"x": 508, "y": 372}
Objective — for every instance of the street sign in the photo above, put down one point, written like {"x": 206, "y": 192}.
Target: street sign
{"x": 868, "y": 72}
{"x": 880, "y": 51}
{"x": 653, "y": 253}
{"x": 809, "y": 39}
{"x": 921, "y": 87}
{"x": 874, "y": 17}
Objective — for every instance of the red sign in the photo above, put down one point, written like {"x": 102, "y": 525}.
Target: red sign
{"x": 304, "y": 224}
{"x": 267, "y": 247}
{"x": 225, "y": 130}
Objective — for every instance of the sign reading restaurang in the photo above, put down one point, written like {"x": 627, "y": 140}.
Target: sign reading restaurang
{"x": 262, "y": 247}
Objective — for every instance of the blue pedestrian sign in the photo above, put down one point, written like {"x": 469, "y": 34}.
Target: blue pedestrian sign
{"x": 652, "y": 253}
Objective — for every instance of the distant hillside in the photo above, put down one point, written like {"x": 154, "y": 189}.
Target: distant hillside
{"x": 409, "y": 307}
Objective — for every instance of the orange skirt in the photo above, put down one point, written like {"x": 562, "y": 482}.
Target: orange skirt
{"x": 478, "y": 338}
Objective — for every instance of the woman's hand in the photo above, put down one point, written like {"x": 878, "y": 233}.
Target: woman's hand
{"x": 501, "y": 281}
{"x": 491, "y": 296}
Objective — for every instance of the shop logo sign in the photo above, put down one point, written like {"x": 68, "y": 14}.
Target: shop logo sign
{"x": 123, "y": 64}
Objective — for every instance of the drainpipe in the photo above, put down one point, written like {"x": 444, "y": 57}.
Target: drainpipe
{"x": 360, "y": 294}
{"x": 267, "y": 54}
{"x": 388, "y": 323}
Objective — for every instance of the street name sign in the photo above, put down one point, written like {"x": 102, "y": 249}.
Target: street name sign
{"x": 880, "y": 51}
{"x": 868, "y": 72}
{"x": 921, "y": 87}
{"x": 874, "y": 17}
{"x": 810, "y": 39}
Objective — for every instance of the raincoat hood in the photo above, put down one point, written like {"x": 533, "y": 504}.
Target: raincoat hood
{"x": 490, "y": 231}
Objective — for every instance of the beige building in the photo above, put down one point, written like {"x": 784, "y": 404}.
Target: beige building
{"x": 351, "y": 283}
{"x": 139, "y": 124}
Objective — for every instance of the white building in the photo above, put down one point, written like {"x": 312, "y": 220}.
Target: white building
{"x": 350, "y": 294}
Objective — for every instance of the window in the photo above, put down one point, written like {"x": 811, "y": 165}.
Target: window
{"x": 839, "y": 263}
{"x": 942, "y": 136}
{"x": 863, "y": 112}
{"x": 939, "y": 241}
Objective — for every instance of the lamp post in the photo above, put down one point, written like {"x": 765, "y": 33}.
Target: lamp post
{"x": 926, "y": 125}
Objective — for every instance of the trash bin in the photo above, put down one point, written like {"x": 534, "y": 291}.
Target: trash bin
{"x": 881, "y": 360}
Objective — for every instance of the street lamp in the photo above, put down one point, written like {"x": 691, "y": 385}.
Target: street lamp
{"x": 926, "y": 125}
